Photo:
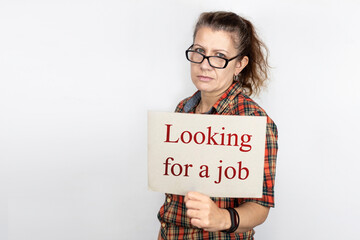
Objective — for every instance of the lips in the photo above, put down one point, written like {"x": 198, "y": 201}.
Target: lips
{"x": 204, "y": 78}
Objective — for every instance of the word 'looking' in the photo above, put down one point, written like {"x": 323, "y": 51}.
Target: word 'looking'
{"x": 211, "y": 138}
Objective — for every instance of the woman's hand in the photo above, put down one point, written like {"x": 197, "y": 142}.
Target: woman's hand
{"x": 204, "y": 213}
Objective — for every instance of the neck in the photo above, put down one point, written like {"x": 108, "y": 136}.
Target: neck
{"x": 207, "y": 101}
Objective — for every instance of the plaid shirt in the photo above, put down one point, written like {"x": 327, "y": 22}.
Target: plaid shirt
{"x": 172, "y": 215}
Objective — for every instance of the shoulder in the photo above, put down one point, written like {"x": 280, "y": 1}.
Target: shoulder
{"x": 244, "y": 105}
{"x": 181, "y": 104}
{"x": 189, "y": 103}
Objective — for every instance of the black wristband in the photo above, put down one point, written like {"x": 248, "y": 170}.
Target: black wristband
{"x": 235, "y": 220}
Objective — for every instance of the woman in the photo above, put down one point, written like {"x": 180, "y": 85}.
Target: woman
{"x": 227, "y": 65}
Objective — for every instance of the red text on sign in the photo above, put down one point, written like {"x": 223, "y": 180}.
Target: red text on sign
{"x": 230, "y": 172}
{"x": 176, "y": 169}
{"x": 211, "y": 137}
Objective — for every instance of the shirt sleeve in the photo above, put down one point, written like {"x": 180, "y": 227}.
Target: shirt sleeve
{"x": 271, "y": 148}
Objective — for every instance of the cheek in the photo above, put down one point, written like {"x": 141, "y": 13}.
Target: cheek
{"x": 194, "y": 69}
{"x": 229, "y": 73}
{"x": 225, "y": 76}
{"x": 192, "y": 73}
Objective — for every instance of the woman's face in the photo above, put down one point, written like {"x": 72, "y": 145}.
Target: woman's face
{"x": 212, "y": 81}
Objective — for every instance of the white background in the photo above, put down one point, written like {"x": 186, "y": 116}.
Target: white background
{"x": 78, "y": 77}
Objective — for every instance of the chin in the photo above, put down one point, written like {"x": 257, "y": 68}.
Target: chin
{"x": 203, "y": 87}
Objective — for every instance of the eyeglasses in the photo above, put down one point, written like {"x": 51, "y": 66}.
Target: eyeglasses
{"x": 214, "y": 61}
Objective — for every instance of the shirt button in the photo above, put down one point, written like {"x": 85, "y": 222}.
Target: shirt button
{"x": 163, "y": 225}
{"x": 168, "y": 199}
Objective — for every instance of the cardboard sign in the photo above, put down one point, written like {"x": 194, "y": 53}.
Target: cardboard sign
{"x": 217, "y": 155}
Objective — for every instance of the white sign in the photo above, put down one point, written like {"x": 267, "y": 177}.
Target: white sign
{"x": 217, "y": 155}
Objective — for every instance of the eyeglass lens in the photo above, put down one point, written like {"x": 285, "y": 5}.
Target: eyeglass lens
{"x": 213, "y": 60}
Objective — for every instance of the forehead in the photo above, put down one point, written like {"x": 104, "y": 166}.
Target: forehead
{"x": 214, "y": 39}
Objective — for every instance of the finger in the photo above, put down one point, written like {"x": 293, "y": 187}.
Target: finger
{"x": 197, "y": 223}
{"x": 197, "y": 196}
{"x": 191, "y": 213}
{"x": 194, "y": 204}
{"x": 190, "y": 196}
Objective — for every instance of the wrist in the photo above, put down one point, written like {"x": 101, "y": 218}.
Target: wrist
{"x": 234, "y": 221}
{"x": 227, "y": 220}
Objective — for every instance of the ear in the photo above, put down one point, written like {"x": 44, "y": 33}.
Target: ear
{"x": 240, "y": 65}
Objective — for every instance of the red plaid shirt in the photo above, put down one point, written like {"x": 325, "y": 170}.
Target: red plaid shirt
{"x": 172, "y": 215}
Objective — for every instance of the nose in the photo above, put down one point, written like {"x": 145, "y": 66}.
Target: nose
{"x": 205, "y": 65}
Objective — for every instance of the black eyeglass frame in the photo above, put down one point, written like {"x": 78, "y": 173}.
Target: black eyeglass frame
{"x": 207, "y": 57}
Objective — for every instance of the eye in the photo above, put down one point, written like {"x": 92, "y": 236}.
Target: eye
{"x": 199, "y": 50}
{"x": 220, "y": 55}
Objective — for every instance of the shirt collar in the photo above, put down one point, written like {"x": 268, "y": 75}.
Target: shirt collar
{"x": 221, "y": 103}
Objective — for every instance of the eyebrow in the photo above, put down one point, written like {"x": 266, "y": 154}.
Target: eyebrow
{"x": 216, "y": 50}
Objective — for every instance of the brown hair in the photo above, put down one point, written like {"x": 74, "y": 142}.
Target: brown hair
{"x": 253, "y": 76}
